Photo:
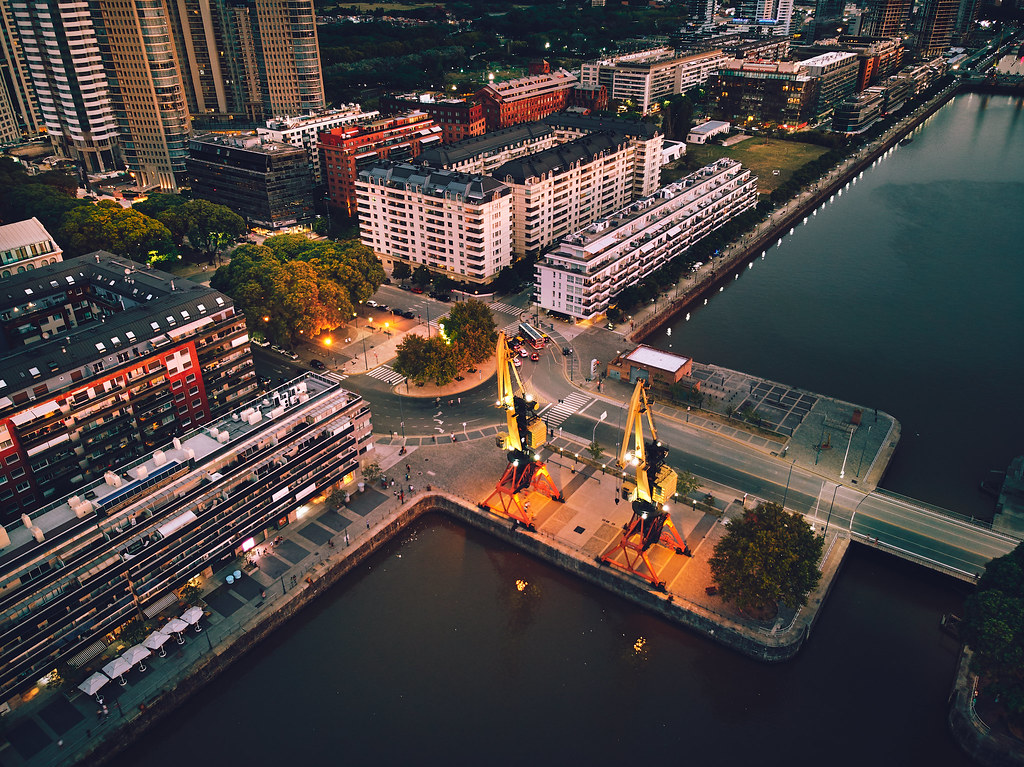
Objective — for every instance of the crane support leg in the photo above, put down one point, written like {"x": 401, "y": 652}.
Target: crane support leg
{"x": 635, "y": 543}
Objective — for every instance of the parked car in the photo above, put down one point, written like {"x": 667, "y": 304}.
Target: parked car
{"x": 517, "y": 362}
{"x": 290, "y": 355}
{"x": 441, "y": 296}
{"x": 374, "y": 304}
{"x": 260, "y": 342}
{"x": 403, "y": 286}
{"x": 416, "y": 289}
{"x": 317, "y": 365}
{"x": 523, "y": 352}
{"x": 276, "y": 348}
{"x": 408, "y": 314}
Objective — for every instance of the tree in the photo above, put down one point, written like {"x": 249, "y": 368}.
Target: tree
{"x": 190, "y": 593}
{"x": 442, "y": 361}
{"x": 122, "y": 231}
{"x": 686, "y": 483}
{"x": 372, "y": 472}
{"x": 411, "y": 359}
{"x": 993, "y": 627}
{"x": 595, "y": 450}
{"x": 401, "y": 271}
{"x": 421, "y": 276}
{"x": 157, "y": 203}
{"x": 768, "y": 556}
{"x": 209, "y": 227}
{"x": 470, "y": 324}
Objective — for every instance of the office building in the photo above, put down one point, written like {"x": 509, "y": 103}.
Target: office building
{"x": 76, "y": 572}
{"x": 828, "y": 19}
{"x": 559, "y": 190}
{"x": 304, "y": 130}
{"x": 526, "y": 99}
{"x": 26, "y": 245}
{"x": 103, "y": 362}
{"x": 764, "y": 93}
{"x": 456, "y": 223}
{"x": 858, "y": 112}
{"x": 62, "y": 49}
{"x": 267, "y": 183}
{"x": 886, "y": 18}
{"x": 938, "y": 22}
{"x": 459, "y": 119}
{"x": 345, "y": 151}
{"x": 966, "y": 15}
{"x": 588, "y": 268}
{"x": 836, "y": 76}
{"x": 645, "y": 77}
{"x": 764, "y": 16}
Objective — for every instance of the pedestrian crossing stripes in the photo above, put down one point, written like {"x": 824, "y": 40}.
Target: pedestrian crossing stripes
{"x": 557, "y": 412}
{"x": 497, "y": 306}
{"x": 511, "y": 329}
{"x": 387, "y": 375}
{"x": 435, "y": 320}
{"x": 339, "y": 377}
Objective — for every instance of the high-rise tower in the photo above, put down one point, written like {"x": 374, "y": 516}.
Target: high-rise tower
{"x": 887, "y": 18}
{"x": 20, "y": 118}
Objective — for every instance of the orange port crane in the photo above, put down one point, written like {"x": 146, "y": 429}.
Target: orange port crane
{"x": 653, "y": 486}
{"x": 526, "y": 433}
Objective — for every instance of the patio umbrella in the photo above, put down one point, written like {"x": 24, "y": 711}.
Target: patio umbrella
{"x": 176, "y": 626}
{"x": 136, "y": 654}
{"x": 192, "y": 616}
{"x": 92, "y": 685}
{"x": 156, "y": 641}
{"x": 117, "y": 667}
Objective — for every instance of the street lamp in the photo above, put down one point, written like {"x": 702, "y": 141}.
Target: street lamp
{"x": 593, "y": 437}
{"x": 842, "y": 471}
{"x": 327, "y": 343}
{"x": 786, "y": 494}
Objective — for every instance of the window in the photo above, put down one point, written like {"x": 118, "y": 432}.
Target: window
{"x": 197, "y": 403}
{"x": 194, "y": 390}
{"x": 13, "y": 459}
{"x": 190, "y": 378}
{"x": 22, "y": 487}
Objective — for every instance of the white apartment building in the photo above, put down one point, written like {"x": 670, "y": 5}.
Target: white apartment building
{"x": 26, "y": 245}
{"x": 646, "y": 76}
{"x": 456, "y": 223}
{"x": 581, "y": 276}
{"x": 560, "y": 190}
{"x": 485, "y": 154}
{"x": 302, "y": 130}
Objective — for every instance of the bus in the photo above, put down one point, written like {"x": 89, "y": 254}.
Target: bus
{"x": 531, "y": 335}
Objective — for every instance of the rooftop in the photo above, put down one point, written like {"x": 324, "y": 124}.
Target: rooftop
{"x": 195, "y": 447}
{"x": 246, "y": 142}
{"x": 645, "y": 355}
{"x": 559, "y": 158}
{"x": 709, "y": 126}
{"x": 594, "y": 123}
{"x": 489, "y": 143}
{"x": 22, "y": 233}
{"x": 829, "y": 57}
{"x": 440, "y": 183}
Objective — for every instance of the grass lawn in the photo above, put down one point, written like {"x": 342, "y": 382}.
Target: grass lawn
{"x": 762, "y": 156}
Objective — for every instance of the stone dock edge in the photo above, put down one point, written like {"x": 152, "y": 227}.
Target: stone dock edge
{"x": 987, "y": 748}
{"x": 764, "y": 646}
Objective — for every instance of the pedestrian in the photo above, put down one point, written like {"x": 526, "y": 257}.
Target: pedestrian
{"x": 401, "y": 497}
{"x": 460, "y": 400}
{"x": 60, "y": 743}
{"x": 346, "y": 539}
{"x": 408, "y": 468}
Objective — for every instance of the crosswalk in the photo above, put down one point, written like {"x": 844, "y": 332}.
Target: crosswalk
{"x": 498, "y": 306}
{"x": 511, "y": 329}
{"x": 339, "y": 377}
{"x": 434, "y": 321}
{"x": 386, "y": 374}
{"x": 557, "y": 412}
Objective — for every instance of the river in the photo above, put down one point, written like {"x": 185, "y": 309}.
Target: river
{"x": 904, "y": 294}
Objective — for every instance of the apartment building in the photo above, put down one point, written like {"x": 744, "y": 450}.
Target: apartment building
{"x": 62, "y": 50}
{"x": 100, "y": 362}
{"x": 559, "y": 190}
{"x": 26, "y": 245}
{"x": 859, "y": 112}
{"x": 886, "y": 18}
{"x": 526, "y": 99}
{"x": 267, "y": 183}
{"x": 302, "y": 130}
{"x": 645, "y": 77}
{"x": 456, "y": 223}
{"x": 581, "y": 276}
{"x": 484, "y": 154}
{"x": 937, "y": 25}
{"x": 20, "y": 118}
{"x": 459, "y": 118}
{"x": 347, "y": 150}
{"x": 74, "y": 573}
{"x": 836, "y": 75}
{"x": 877, "y": 57}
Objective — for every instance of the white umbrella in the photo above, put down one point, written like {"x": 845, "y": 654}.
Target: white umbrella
{"x": 93, "y": 684}
{"x": 192, "y": 616}
{"x": 176, "y": 626}
{"x": 155, "y": 641}
{"x": 136, "y": 654}
{"x": 117, "y": 667}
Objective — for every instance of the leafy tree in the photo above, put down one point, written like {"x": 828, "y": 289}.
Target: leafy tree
{"x": 190, "y": 594}
{"x": 470, "y": 325}
{"x": 993, "y": 627}
{"x": 595, "y": 450}
{"x": 686, "y": 483}
{"x": 157, "y": 203}
{"x": 411, "y": 360}
{"x": 401, "y": 271}
{"x": 443, "y": 283}
{"x": 767, "y": 556}
{"x": 321, "y": 226}
{"x": 209, "y": 226}
{"x": 372, "y": 472}
{"x": 421, "y": 276}
{"x": 108, "y": 226}
{"x": 48, "y": 204}
{"x": 442, "y": 361}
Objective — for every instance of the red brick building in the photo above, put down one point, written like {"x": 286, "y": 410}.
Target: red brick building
{"x": 459, "y": 118}
{"x": 586, "y": 97}
{"x": 526, "y": 99}
{"x": 344, "y": 151}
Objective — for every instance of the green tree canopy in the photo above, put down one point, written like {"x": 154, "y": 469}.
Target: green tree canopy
{"x": 424, "y": 360}
{"x": 300, "y": 290}
{"x": 157, "y": 203}
{"x": 768, "y": 556}
{"x": 421, "y": 276}
{"x": 209, "y": 226}
{"x": 470, "y": 325}
{"x": 993, "y": 627}
{"x": 108, "y": 226}
{"x": 401, "y": 271}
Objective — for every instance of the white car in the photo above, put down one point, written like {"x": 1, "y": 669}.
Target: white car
{"x": 374, "y": 304}
{"x": 260, "y": 342}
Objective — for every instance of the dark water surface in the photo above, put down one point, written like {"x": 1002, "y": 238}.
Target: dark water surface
{"x": 905, "y": 294}
{"x": 430, "y": 655}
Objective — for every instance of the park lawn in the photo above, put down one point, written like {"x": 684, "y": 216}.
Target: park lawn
{"x": 762, "y": 156}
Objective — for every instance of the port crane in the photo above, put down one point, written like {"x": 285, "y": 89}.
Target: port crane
{"x": 526, "y": 433}
{"x": 653, "y": 485}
